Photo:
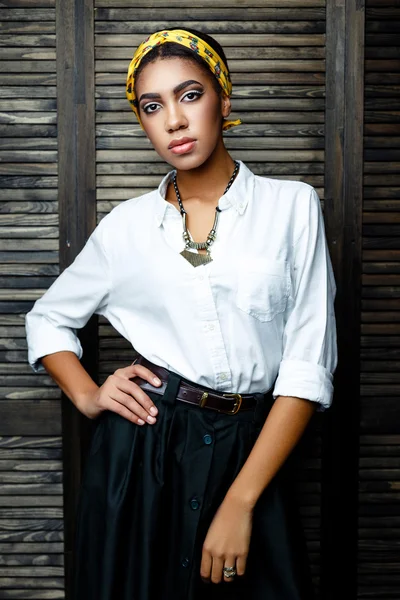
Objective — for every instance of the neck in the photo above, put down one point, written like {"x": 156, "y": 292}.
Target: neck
{"x": 209, "y": 180}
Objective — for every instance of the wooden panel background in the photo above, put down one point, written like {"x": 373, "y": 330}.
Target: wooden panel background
{"x": 276, "y": 56}
{"x": 379, "y": 473}
{"x": 297, "y": 89}
{"x": 31, "y": 502}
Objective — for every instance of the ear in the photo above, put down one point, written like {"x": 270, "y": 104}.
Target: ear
{"x": 226, "y": 106}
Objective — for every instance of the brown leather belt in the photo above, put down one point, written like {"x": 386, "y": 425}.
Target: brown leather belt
{"x": 203, "y": 397}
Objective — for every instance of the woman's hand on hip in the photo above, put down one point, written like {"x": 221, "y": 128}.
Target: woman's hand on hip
{"x": 124, "y": 397}
{"x": 227, "y": 541}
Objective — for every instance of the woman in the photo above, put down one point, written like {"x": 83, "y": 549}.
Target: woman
{"x": 223, "y": 283}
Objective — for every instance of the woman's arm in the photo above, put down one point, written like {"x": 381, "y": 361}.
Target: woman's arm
{"x": 283, "y": 428}
{"x": 228, "y": 538}
{"x": 304, "y": 384}
{"x": 117, "y": 394}
{"x": 71, "y": 377}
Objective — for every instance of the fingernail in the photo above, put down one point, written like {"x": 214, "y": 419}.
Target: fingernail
{"x": 140, "y": 422}
{"x": 156, "y": 380}
{"x": 153, "y": 410}
{"x": 151, "y": 419}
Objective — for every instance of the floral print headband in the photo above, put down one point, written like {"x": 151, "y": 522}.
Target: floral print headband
{"x": 179, "y": 36}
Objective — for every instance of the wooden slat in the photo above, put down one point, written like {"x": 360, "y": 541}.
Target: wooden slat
{"x": 28, "y": 182}
{"x": 28, "y": 66}
{"x": 251, "y": 40}
{"x": 26, "y": 27}
{"x": 144, "y": 16}
{"x": 29, "y": 105}
{"x": 17, "y": 414}
{"x": 28, "y": 207}
{"x": 28, "y": 194}
{"x": 29, "y": 54}
{"x": 30, "y": 583}
{"x": 51, "y": 549}
{"x": 27, "y": 3}
{"x": 216, "y": 27}
{"x": 8, "y": 132}
{"x": 23, "y": 79}
{"x": 22, "y": 594}
{"x": 28, "y": 143}
{"x": 211, "y": 3}
{"x": 23, "y": 560}
{"x": 31, "y": 502}
{"x": 36, "y": 118}
{"x": 28, "y": 14}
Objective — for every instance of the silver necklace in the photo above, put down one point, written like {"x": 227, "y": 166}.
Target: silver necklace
{"x": 197, "y": 259}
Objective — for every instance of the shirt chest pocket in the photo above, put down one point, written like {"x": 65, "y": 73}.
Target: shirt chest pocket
{"x": 263, "y": 288}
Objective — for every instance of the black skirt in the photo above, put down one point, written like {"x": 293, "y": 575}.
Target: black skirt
{"x": 149, "y": 494}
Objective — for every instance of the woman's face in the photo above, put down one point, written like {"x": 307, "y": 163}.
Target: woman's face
{"x": 181, "y": 111}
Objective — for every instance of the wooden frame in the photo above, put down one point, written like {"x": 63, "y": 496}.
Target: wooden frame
{"x": 343, "y": 219}
{"x": 342, "y": 210}
{"x": 77, "y": 213}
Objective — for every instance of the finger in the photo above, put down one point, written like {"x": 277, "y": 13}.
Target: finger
{"x": 205, "y": 567}
{"x": 144, "y": 373}
{"x": 216, "y": 570}
{"x": 241, "y": 562}
{"x": 133, "y": 390}
{"x": 124, "y": 412}
{"x": 230, "y": 561}
{"x": 132, "y": 405}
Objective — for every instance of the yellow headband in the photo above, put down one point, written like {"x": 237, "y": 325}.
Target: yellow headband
{"x": 179, "y": 36}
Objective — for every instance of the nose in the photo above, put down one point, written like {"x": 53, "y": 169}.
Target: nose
{"x": 174, "y": 117}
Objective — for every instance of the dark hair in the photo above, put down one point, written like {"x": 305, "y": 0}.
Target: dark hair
{"x": 172, "y": 50}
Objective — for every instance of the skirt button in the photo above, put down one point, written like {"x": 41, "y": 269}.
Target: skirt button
{"x": 194, "y": 504}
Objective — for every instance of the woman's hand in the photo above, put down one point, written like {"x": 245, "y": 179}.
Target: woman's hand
{"x": 122, "y": 396}
{"x": 227, "y": 541}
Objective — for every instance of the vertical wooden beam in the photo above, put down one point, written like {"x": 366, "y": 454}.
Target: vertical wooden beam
{"x": 77, "y": 213}
{"x": 343, "y": 218}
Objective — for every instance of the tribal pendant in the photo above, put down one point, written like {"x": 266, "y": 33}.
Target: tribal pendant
{"x": 196, "y": 259}
{"x": 200, "y": 259}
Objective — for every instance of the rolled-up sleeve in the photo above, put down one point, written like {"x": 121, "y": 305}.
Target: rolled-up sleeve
{"x": 81, "y": 290}
{"x": 309, "y": 355}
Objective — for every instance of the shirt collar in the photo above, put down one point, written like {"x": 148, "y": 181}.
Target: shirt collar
{"x": 237, "y": 196}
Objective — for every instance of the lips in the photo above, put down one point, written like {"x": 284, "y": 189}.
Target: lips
{"x": 180, "y": 142}
{"x": 182, "y": 146}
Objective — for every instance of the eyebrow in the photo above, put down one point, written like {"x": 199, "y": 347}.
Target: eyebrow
{"x": 176, "y": 89}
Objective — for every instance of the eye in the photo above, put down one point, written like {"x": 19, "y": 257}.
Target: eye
{"x": 150, "y": 108}
{"x": 192, "y": 95}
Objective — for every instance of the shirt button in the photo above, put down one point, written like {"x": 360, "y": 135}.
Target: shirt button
{"x": 207, "y": 439}
{"x": 194, "y": 504}
{"x": 211, "y": 327}
{"x": 223, "y": 377}
{"x": 185, "y": 562}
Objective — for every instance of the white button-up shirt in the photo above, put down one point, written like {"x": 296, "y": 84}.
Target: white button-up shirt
{"x": 259, "y": 316}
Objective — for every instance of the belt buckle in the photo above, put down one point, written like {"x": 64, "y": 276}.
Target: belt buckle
{"x": 236, "y": 406}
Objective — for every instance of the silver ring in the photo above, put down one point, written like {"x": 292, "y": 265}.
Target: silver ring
{"x": 229, "y": 572}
